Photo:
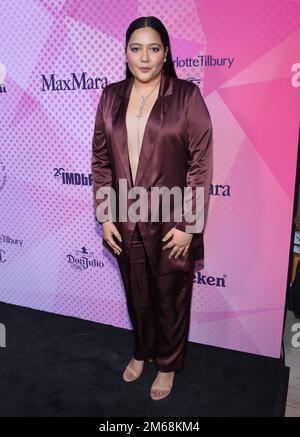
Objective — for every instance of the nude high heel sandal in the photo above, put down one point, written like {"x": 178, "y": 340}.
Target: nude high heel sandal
{"x": 166, "y": 389}
{"x": 131, "y": 375}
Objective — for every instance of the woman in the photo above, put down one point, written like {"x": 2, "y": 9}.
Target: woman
{"x": 153, "y": 129}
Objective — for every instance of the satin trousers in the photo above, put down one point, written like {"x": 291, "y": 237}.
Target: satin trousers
{"x": 159, "y": 308}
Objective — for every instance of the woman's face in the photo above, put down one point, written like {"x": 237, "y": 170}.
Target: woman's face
{"x": 145, "y": 50}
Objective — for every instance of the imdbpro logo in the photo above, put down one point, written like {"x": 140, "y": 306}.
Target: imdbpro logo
{"x": 2, "y": 335}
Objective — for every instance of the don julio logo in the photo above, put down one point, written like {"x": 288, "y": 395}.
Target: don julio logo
{"x": 83, "y": 260}
{"x": 74, "y": 82}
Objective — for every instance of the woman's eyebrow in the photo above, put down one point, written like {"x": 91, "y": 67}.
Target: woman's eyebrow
{"x": 138, "y": 44}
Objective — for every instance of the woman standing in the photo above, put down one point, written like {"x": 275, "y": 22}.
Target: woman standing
{"x": 153, "y": 129}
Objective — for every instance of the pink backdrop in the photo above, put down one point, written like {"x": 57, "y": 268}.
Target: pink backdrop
{"x": 244, "y": 56}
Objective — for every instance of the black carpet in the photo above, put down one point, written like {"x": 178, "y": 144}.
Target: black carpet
{"x": 54, "y": 365}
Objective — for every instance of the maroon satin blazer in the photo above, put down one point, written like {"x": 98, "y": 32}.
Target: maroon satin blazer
{"x": 176, "y": 151}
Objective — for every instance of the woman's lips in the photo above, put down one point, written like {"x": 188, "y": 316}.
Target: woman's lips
{"x": 144, "y": 70}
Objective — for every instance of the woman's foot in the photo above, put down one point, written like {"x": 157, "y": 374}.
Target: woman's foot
{"x": 162, "y": 385}
{"x": 133, "y": 370}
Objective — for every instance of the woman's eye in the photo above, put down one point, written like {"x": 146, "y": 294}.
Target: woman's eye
{"x": 135, "y": 49}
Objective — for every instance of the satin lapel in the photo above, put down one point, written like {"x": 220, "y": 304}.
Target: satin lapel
{"x": 152, "y": 127}
{"x": 119, "y": 126}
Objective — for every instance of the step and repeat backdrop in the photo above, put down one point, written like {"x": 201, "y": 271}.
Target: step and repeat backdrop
{"x": 56, "y": 57}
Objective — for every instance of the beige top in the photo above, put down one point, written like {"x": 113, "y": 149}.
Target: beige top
{"x": 132, "y": 124}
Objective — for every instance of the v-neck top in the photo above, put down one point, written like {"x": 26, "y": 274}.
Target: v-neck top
{"x": 132, "y": 136}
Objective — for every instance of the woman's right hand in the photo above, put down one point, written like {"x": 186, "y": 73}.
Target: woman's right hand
{"x": 110, "y": 229}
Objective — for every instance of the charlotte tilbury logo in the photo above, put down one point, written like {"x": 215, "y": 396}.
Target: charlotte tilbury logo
{"x": 203, "y": 61}
{"x": 10, "y": 240}
{"x": 75, "y": 82}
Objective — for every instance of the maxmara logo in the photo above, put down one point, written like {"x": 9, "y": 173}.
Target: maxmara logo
{"x": 2, "y": 78}
{"x": 74, "y": 82}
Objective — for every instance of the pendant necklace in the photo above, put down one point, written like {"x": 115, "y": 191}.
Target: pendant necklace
{"x": 142, "y": 104}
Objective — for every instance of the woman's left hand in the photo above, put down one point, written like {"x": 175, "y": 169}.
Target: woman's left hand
{"x": 180, "y": 242}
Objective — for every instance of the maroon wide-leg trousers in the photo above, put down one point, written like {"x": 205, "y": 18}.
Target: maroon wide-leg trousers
{"x": 159, "y": 308}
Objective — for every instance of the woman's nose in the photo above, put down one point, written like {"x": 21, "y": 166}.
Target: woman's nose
{"x": 145, "y": 55}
